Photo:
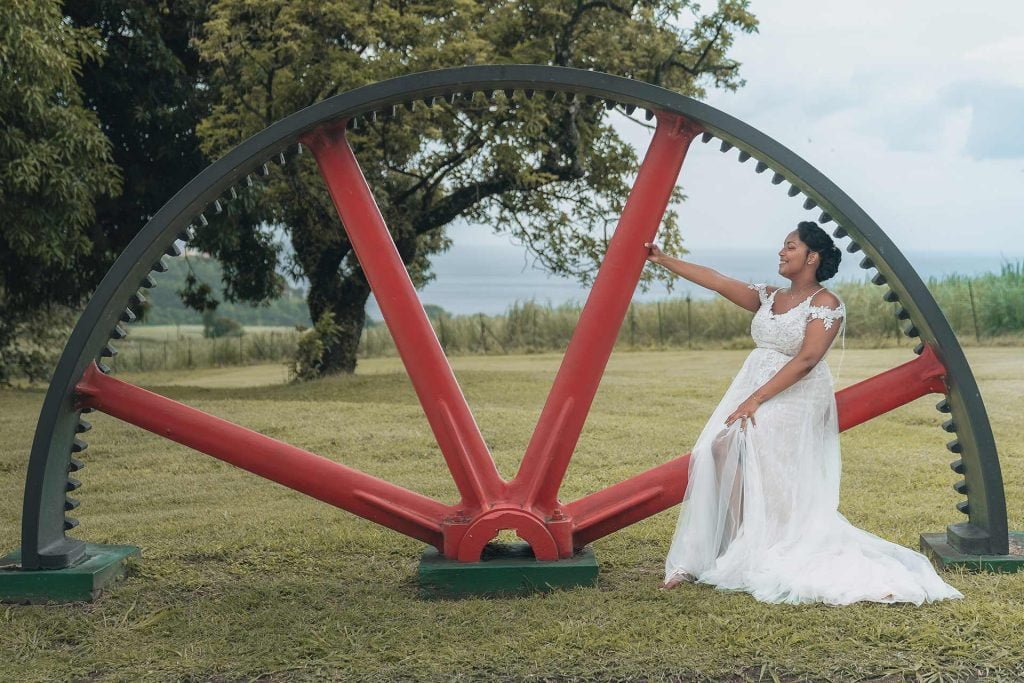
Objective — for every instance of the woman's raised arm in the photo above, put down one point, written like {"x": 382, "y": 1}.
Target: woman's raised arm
{"x": 732, "y": 289}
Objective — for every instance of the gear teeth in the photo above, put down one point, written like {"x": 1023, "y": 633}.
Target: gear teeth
{"x": 118, "y": 332}
{"x": 264, "y": 171}
{"x": 161, "y": 265}
{"x": 960, "y": 487}
{"x": 825, "y": 217}
{"x": 234, "y": 192}
{"x": 70, "y": 503}
{"x": 202, "y": 218}
{"x": 943, "y": 406}
{"x": 963, "y": 507}
{"x": 891, "y": 296}
{"x": 648, "y": 114}
{"x": 919, "y": 349}
{"x": 853, "y": 247}
{"x": 217, "y": 208}
{"x": 70, "y": 523}
{"x": 911, "y": 331}
{"x": 530, "y": 92}
{"x": 706, "y": 137}
{"x": 83, "y": 426}
{"x": 489, "y": 94}
{"x": 725, "y": 146}
{"x": 72, "y": 484}
{"x": 957, "y": 466}
{"x": 630, "y": 108}
{"x": 148, "y": 282}
{"x": 351, "y": 124}
{"x": 248, "y": 176}
{"x": 954, "y": 446}
{"x": 610, "y": 104}
{"x": 810, "y": 204}
{"x": 127, "y": 316}
{"x": 777, "y": 178}
{"x": 173, "y": 249}
{"x": 74, "y": 465}
{"x": 104, "y": 368}
{"x": 449, "y": 97}
{"x": 86, "y": 410}
{"x": 509, "y": 92}
{"x": 879, "y": 279}
{"x": 793, "y": 191}
{"x": 108, "y": 351}
{"x": 949, "y": 426}
{"x": 409, "y": 106}
{"x": 902, "y": 313}
{"x": 866, "y": 263}
{"x": 743, "y": 157}
{"x": 188, "y": 233}
{"x": 77, "y": 445}
{"x": 839, "y": 232}
{"x": 137, "y": 299}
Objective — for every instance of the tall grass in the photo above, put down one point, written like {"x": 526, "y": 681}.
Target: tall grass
{"x": 981, "y": 309}
{"x": 986, "y": 309}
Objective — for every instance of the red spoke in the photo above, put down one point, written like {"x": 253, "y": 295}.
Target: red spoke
{"x": 551, "y": 446}
{"x": 377, "y": 500}
{"x": 891, "y": 389}
{"x": 661, "y": 487}
{"x": 463, "y": 447}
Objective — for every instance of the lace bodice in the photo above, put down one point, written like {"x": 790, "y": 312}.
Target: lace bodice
{"x": 784, "y": 332}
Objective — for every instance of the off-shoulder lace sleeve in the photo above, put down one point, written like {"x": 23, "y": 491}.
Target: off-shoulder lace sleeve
{"x": 762, "y": 291}
{"x": 827, "y": 314}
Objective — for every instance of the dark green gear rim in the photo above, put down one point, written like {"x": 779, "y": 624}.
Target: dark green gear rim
{"x": 44, "y": 523}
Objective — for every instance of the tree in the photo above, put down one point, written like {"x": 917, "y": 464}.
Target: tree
{"x": 516, "y": 171}
{"x": 55, "y": 163}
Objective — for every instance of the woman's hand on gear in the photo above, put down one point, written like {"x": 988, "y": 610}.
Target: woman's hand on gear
{"x": 744, "y": 412}
{"x": 655, "y": 254}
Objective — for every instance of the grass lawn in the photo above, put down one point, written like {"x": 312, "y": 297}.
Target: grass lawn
{"x": 243, "y": 579}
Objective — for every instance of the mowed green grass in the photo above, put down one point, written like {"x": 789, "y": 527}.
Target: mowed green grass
{"x": 243, "y": 579}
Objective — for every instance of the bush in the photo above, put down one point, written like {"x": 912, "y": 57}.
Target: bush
{"x": 309, "y": 353}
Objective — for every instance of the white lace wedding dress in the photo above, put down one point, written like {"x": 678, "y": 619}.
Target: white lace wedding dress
{"x": 760, "y": 512}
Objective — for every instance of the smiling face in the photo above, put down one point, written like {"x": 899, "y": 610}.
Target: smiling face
{"x": 794, "y": 256}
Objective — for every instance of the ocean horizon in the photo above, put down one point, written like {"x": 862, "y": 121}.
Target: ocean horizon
{"x": 481, "y": 278}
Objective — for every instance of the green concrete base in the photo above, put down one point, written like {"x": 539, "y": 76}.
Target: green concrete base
{"x": 102, "y": 565}
{"x": 936, "y": 547}
{"x": 504, "y": 569}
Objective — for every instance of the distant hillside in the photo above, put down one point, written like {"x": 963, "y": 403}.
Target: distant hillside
{"x": 167, "y": 309}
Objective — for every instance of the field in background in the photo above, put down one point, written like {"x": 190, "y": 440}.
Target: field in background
{"x": 243, "y": 579}
{"x": 983, "y": 310}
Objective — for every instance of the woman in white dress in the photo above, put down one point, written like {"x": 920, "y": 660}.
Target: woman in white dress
{"x": 760, "y": 513}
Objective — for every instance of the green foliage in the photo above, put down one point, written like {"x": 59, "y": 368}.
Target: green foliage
{"x": 308, "y": 362}
{"x": 552, "y": 174}
{"x": 217, "y": 326}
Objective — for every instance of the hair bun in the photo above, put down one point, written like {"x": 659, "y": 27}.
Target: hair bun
{"x": 819, "y": 241}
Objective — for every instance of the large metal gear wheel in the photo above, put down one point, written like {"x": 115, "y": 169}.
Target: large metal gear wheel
{"x": 527, "y": 503}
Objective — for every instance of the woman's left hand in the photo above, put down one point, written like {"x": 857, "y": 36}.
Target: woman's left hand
{"x": 744, "y": 412}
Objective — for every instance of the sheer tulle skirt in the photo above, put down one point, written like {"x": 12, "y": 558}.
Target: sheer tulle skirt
{"x": 760, "y": 512}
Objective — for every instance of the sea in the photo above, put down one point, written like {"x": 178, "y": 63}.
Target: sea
{"x": 490, "y": 278}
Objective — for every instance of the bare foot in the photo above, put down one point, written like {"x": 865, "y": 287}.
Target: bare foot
{"x": 676, "y": 580}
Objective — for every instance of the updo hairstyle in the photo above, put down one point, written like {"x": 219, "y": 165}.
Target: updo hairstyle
{"x": 818, "y": 240}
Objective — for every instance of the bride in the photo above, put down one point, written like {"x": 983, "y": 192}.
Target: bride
{"x": 760, "y": 513}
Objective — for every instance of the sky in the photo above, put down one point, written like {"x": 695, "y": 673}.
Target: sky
{"x": 914, "y": 108}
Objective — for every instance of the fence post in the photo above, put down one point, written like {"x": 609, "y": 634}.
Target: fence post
{"x": 661, "y": 328}
{"x": 689, "y": 322}
{"x": 974, "y": 313}
{"x": 483, "y": 336}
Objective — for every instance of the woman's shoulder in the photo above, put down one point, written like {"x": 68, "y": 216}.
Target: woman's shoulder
{"x": 763, "y": 290}
{"x": 825, "y": 299}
